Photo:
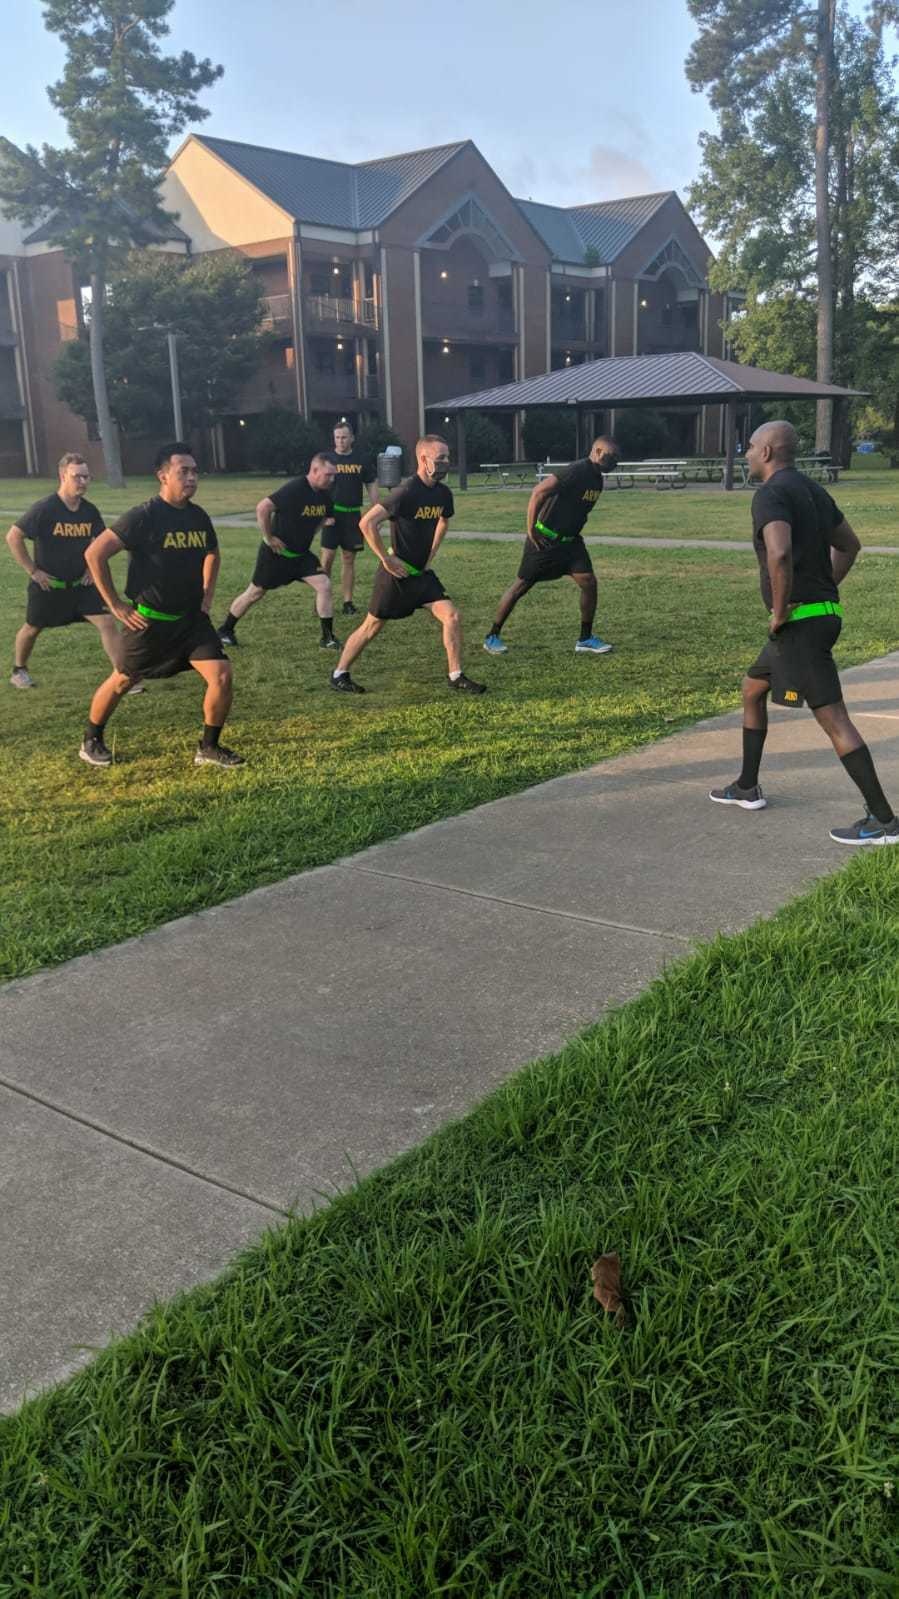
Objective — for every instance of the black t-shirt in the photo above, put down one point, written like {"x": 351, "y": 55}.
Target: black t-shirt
{"x": 566, "y": 511}
{"x": 415, "y": 508}
{"x": 61, "y": 536}
{"x": 352, "y": 473}
{"x": 167, "y": 545}
{"x": 301, "y": 511}
{"x": 790, "y": 496}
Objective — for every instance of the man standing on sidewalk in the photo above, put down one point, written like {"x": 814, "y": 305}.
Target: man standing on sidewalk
{"x": 174, "y": 562}
{"x": 419, "y": 510}
{"x": 804, "y": 547}
{"x": 557, "y": 512}
{"x": 353, "y": 473}
{"x": 289, "y": 520}
{"x": 60, "y": 589}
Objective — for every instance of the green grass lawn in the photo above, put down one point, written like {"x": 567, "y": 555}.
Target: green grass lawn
{"x": 89, "y": 857}
{"x": 413, "y": 1393}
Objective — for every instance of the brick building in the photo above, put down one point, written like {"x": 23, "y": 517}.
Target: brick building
{"x": 389, "y": 285}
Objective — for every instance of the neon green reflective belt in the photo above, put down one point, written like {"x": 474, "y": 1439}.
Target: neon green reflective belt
{"x": 549, "y": 533}
{"x": 414, "y": 571}
{"x": 159, "y": 616}
{"x": 818, "y": 608}
{"x": 59, "y": 583}
{"x": 348, "y": 510}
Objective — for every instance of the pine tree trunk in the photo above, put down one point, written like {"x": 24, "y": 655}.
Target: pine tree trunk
{"x": 824, "y": 62}
{"x": 109, "y": 433}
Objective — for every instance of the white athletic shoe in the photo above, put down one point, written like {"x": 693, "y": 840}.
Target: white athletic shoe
{"x": 22, "y": 679}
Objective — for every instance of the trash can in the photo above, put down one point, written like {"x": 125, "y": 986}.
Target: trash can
{"x": 390, "y": 466}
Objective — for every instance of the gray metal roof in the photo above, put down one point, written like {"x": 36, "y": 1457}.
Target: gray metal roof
{"x": 147, "y": 232}
{"x": 684, "y": 378}
{"x": 333, "y": 193}
{"x": 607, "y": 227}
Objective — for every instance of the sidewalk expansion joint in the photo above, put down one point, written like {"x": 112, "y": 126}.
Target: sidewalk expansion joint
{"x": 517, "y": 904}
{"x": 141, "y": 1149}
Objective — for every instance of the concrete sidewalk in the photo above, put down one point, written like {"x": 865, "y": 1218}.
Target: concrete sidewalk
{"x": 166, "y": 1099}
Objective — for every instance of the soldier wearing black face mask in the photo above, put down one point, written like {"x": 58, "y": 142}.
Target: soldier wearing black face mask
{"x": 419, "y": 511}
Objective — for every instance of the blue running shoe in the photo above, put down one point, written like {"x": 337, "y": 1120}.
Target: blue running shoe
{"x": 867, "y": 831}
{"x": 494, "y": 645}
{"x": 591, "y": 646}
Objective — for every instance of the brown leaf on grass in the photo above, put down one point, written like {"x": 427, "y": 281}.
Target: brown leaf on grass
{"x": 606, "y": 1274}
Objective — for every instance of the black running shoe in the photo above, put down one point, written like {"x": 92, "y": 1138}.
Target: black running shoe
{"x": 331, "y": 643}
{"x": 94, "y": 751}
{"x": 226, "y": 636}
{"x": 349, "y": 608}
{"x": 465, "y": 685}
{"x": 344, "y": 684}
{"x": 749, "y": 799}
{"x": 216, "y": 755}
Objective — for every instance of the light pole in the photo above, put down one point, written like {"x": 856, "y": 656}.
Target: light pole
{"x": 172, "y": 339}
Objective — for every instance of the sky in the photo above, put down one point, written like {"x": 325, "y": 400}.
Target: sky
{"x": 573, "y": 102}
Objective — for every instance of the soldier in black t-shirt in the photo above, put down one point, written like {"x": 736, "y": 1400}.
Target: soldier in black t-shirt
{"x": 289, "y": 520}
{"x": 61, "y": 589}
{"x": 419, "y": 510}
{"x": 557, "y": 512}
{"x": 804, "y": 547}
{"x": 353, "y": 475}
{"x": 174, "y": 562}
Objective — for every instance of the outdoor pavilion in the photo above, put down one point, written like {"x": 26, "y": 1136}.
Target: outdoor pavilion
{"x": 684, "y": 378}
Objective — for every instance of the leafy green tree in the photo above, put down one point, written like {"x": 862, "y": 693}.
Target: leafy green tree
{"x": 799, "y": 183}
{"x": 549, "y": 435}
{"x": 214, "y": 307}
{"x": 282, "y": 442}
{"x": 484, "y": 440}
{"x": 122, "y": 101}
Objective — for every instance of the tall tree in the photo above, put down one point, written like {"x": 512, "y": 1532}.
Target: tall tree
{"x": 122, "y": 101}
{"x": 799, "y": 182}
{"x": 213, "y": 306}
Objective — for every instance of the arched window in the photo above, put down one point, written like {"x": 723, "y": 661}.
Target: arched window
{"x": 469, "y": 216}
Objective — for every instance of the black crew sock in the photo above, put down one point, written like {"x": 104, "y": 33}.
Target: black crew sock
{"x": 860, "y": 767}
{"x": 753, "y": 744}
{"x": 94, "y": 730}
{"x": 229, "y": 623}
{"x": 495, "y": 629}
{"x": 211, "y": 736}
{"x": 327, "y": 623}
{"x": 586, "y": 632}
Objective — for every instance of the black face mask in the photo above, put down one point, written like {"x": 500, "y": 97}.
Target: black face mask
{"x": 439, "y": 470}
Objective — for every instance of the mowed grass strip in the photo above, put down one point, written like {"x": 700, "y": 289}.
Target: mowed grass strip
{"x": 414, "y": 1393}
{"x": 90, "y": 857}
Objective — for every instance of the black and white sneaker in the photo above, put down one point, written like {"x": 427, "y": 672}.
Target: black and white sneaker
{"x": 331, "y": 643}
{"x": 466, "y": 685}
{"x": 867, "y": 831}
{"x": 226, "y": 636}
{"x": 349, "y": 608}
{"x": 94, "y": 751}
{"x": 343, "y": 683}
{"x": 749, "y": 799}
{"x": 216, "y": 755}
{"x": 21, "y": 678}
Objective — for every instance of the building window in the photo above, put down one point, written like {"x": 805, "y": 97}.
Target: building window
{"x": 289, "y": 357}
{"x": 476, "y": 297}
{"x": 477, "y": 371}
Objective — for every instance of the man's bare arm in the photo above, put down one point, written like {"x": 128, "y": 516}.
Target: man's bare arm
{"x": 844, "y": 548}
{"x": 211, "y": 565}
{"x": 439, "y": 536}
{"x": 265, "y": 510}
{"x": 368, "y": 527}
{"x": 779, "y": 553}
{"x": 97, "y": 557}
{"x": 542, "y": 492}
{"x": 15, "y": 538}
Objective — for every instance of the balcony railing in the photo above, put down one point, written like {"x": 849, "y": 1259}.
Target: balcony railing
{"x": 326, "y": 389}
{"x": 276, "y": 313}
{"x": 333, "y": 308}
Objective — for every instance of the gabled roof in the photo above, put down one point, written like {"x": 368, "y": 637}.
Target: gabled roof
{"x": 607, "y": 227}
{"x": 332, "y": 193}
{"x": 687, "y": 377}
{"x": 147, "y": 232}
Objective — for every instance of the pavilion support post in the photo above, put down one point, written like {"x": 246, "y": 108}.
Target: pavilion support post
{"x": 461, "y": 461}
{"x": 730, "y": 440}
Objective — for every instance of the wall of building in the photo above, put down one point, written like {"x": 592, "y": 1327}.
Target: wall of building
{"x": 216, "y": 206}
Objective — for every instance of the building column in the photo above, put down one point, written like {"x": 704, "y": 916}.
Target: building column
{"x": 385, "y": 342}
{"x": 22, "y": 370}
{"x": 613, "y": 307}
{"x": 419, "y": 348}
{"x": 295, "y": 278}
{"x": 549, "y": 323}
{"x": 636, "y": 349}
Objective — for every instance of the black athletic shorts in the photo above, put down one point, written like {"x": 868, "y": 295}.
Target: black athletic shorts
{"x": 552, "y": 558}
{"x": 274, "y": 571}
{"x": 799, "y": 665}
{"x": 59, "y": 607}
{"x": 395, "y": 597}
{"x": 344, "y": 535}
{"x": 164, "y": 649}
